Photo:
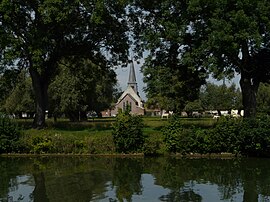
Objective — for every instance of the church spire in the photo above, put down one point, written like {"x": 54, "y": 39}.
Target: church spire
{"x": 132, "y": 78}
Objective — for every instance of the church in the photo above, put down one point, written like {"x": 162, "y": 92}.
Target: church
{"x": 130, "y": 97}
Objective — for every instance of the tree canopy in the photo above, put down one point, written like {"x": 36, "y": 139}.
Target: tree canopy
{"x": 234, "y": 37}
{"x": 221, "y": 37}
{"x": 81, "y": 86}
{"x": 38, "y": 34}
{"x": 216, "y": 97}
{"x": 186, "y": 41}
{"x": 263, "y": 99}
{"x": 159, "y": 28}
{"x": 220, "y": 97}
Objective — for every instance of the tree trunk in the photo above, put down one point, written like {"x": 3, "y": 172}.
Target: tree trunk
{"x": 249, "y": 89}
{"x": 40, "y": 86}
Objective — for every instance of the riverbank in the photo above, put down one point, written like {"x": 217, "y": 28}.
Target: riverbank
{"x": 92, "y": 137}
{"x": 117, "y": 155}
{"x": 178, "y": 136}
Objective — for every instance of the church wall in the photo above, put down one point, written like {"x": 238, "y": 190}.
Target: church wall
{"x": 134, "y": 107}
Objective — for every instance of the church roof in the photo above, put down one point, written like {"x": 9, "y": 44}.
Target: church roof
{"x": 133, "y": 94}
{"x": 132, "y": 77}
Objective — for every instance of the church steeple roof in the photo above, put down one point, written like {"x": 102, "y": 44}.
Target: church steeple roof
{"x": 132, "y": 77}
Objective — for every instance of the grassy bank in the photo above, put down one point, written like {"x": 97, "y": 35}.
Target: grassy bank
{"x": 185, "y": 136}
{"x": 92, "y": 136}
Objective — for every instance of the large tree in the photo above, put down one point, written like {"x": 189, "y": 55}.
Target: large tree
{"x": 222, "y": 36}
{"x": 81, "y": 86}
{"x": 37, "y": 34}
{"x": 158, "y": 28}
{"x": 234, "y": 37}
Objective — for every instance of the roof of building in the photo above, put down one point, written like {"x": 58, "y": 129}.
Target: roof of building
{"x": 132, "y": 76}
{"x": 133, "y": 94}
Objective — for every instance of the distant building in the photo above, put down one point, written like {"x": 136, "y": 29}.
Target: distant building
{"x": 130, "y": 96}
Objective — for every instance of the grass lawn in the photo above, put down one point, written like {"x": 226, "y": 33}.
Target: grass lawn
{"x": 97, "y": 127}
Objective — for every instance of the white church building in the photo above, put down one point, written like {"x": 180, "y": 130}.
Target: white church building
{"x": 130, "y": 97}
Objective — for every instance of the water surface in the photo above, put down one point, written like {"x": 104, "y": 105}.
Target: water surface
{"x": 133, "y": 179}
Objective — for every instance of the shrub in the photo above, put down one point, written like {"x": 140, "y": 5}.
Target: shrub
{"x": 223, "y": 137}
{"x": 248, "y": 137}
{"x": 254, "y": 137}
{"x": 153, "y": 146}
{"x": 177, "y": 138}
{"x": 9, "y": 134}
{"x": 42, "y": 145}
{"x": 127, "y": 133}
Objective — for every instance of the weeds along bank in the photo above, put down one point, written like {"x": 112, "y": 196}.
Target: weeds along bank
{"x": 132, "y": 135}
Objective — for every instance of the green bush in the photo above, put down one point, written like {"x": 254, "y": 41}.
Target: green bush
{"x": 42, "y": 145}
{"x": 9, "y": 134}
{"x": 177, "y": 138}
{"x": 153, "y": 146}
{"x": 254, "y": 137}
{"x": 248, "y": 137}
{"x": 224, "y": 136}
{"x": 172, "y": 135}
{"x": 127, "y": 133}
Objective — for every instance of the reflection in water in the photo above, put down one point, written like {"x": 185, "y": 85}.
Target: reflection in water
{"x": 21, "y": 188}
{"x": 133, "y": 179}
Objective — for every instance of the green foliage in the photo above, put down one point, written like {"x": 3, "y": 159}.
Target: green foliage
{"x": 170, "y": 85}
{"x": 179, "y": 139}
{"x": 247, "y": 137}
{"x": 171, "y": 82}
{"x": 21, "y": 97}
{"x": 42, "y": 145}
{"x": 263, "y": 99}
{"x": 224, "y": 136}
{"x": 254, "y": 137}
{"x": 127, "y": 133}
{"x": 80, "y": 86}
{"x": 196, "y": 37}
{"x": 231, "y": 97}
{"x": 8, "y": 81}
{"x": 190, "y": 107}
{"x": 172, "y": 135}
{"x": 9, "y": 134}
{"x": 37, "y": 35}
{"x": 51, "y": 142}
{"x": 154, "y": 145}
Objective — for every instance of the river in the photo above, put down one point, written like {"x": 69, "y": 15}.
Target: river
{"x": 113, "y": 179}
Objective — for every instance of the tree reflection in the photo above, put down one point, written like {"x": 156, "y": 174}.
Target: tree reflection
{"x": 228, "y": 174}
{"x": 181, "y": 195}
{"x": 39, "y": 192}
{"x": 66, "y": 179}
{"x": 10, "y": 169}
{"x": 127, "y": 178}
{"x": 88, "y": 179}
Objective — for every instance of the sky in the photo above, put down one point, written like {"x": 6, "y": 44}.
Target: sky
{"x": 123, "y": 73}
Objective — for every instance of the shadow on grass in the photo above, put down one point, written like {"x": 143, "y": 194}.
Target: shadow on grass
{"x": 64, "y": 124}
